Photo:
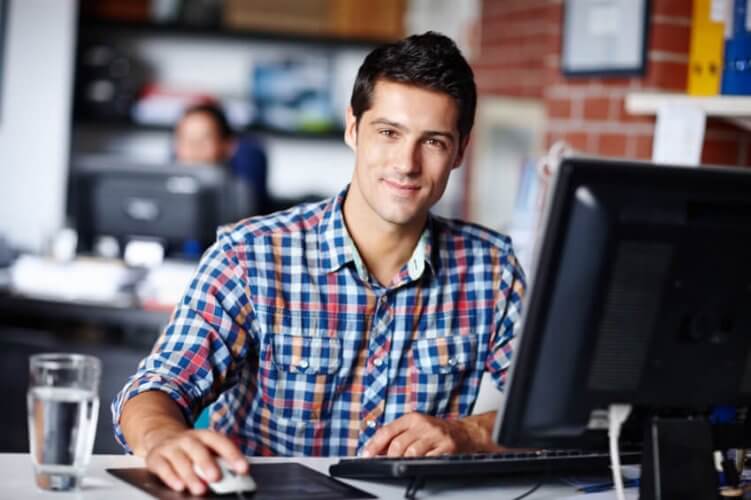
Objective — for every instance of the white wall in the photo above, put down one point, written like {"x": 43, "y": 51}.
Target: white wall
{"x": 35, "y": 118}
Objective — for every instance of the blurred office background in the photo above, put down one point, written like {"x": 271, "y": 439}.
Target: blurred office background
{"x": 106, "y": 80}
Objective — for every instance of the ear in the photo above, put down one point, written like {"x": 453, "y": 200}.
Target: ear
{"x": 462, "y": 149}
{"x": 350, "y": 129}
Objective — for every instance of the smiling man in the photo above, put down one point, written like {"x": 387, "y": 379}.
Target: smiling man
{"x": 358, "y": 325}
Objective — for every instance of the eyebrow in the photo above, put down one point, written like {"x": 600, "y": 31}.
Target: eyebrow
{"x": 399, "y": 126}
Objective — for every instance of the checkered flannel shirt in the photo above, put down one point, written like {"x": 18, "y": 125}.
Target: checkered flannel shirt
{"x": 298, "y": 350}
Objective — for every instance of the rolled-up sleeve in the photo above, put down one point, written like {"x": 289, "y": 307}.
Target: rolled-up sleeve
{"x": 507, "y": 319}
{"x": 206, "y": 342}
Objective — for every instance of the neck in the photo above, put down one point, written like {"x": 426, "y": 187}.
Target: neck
{"x": 383, "y": 246}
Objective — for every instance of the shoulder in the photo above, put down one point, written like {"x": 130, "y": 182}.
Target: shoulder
{"x": 292, "y": 222}
{"x": 453, "y": 231}
{"x": 467, "y": 244}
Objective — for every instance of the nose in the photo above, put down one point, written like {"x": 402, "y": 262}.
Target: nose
{"x": 409, "y": 161}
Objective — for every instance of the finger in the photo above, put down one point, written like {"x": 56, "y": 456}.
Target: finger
{"x": 380, "y": 441}
{"x": 202, "y": 457}
{"x": 162, "y": 468}
{"x": 401, "y": 443}
{"x": 225, "y": 448}
{"x": 439, "y": 450}
{"x": 419, "y": 448}
{"x": 184, "y": 468}
{"x": 421, "y": 441}
{"x": 444, "y": 442}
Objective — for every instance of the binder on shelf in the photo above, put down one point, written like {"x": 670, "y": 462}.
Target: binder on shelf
{"x": 736, "y": 75}
{"x": 707, "y": 46}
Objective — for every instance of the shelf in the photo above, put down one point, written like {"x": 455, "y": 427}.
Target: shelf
{"x": 736, "y": 109}
{"x": 128, "y": 126}
{"x": 107, "y": 28}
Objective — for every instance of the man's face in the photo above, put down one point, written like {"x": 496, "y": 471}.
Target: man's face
{"x": 198, "y": 140}
{"x": 405, "y": 146}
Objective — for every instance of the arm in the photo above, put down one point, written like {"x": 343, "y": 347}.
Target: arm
{"x": 147, "y": 418}
{"x": 196, "y": 357}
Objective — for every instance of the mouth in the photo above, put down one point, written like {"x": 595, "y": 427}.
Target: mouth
{"x": 401, "y": 188}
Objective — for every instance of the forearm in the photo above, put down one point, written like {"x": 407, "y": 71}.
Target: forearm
{"x": 149, "y": 418}
{"x": 476, "y": 433}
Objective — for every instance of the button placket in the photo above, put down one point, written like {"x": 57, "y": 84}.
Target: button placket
{"x": 376, "y": 376}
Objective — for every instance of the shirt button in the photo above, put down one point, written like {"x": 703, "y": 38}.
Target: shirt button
{"x": 378, "y": 362}
{"x": 303, "y": 364}
{"x": 452, "y": 361}
{"x": 371, "y": 424}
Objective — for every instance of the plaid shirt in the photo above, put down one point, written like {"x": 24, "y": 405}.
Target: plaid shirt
{"x": 299, "y": 351}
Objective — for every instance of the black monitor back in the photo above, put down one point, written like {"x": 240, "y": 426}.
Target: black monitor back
{"x": 169, "y": 203}
{"x": 642, "y": 295}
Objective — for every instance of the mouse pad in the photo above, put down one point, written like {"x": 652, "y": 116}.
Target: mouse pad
{"x": 277, "y": 481}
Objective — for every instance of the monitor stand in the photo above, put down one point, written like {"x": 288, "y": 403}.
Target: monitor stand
{"x": 677, "y": 460}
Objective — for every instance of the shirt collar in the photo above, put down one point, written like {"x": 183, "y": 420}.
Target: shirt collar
{"x": 336, "y": 248}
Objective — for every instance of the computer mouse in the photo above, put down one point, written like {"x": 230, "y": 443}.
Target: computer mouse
{"x": 231, "y": 482}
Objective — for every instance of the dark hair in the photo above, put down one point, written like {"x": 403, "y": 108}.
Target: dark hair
{"x": 216, "y": 113}
{"x": 430, "y": 60}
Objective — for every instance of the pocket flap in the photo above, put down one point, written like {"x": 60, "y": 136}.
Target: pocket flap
{"x": 449, "y": 354}
{"x": 307, "y": 355}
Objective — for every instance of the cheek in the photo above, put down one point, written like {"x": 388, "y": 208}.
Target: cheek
{"x": 369, "y": 164}
{"x": 375, "y": 153}
{"x": 441, "y": 173}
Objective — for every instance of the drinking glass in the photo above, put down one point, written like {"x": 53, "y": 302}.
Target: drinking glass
{"x": 63, "y": 404}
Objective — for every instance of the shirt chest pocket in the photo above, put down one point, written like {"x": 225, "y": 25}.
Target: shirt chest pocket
{"x": 302, "y": 379}
{"x": 441, "y": 368}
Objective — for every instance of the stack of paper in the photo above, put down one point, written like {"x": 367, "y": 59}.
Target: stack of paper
{"x": 86, "y": 280}
{"x": 166, "y": 284}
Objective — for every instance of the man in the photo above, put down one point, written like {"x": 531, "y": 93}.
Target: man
{"x": 358, "y": 325}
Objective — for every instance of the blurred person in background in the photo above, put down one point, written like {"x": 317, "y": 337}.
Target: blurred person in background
{"x": 203, "y": 136}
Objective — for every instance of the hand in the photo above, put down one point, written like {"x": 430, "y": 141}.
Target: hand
{"x": 173, "y": 454}
{"x": 417, "y": 435}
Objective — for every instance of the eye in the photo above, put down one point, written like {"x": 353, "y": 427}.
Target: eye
{"x": 388, "y": 132}
{"x": 435, "y": 143}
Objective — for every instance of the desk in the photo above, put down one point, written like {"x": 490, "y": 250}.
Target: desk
{"x": 36, "y": 310}
{"x": 18, "y": 483}
{"x": 94, "y": 291}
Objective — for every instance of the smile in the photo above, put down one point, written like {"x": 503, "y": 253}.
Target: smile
{"x": 401, "y": 188}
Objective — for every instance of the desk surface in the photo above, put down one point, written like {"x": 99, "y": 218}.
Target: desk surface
{"x": 17, "y": 481}
{"x": 93, "y": 290}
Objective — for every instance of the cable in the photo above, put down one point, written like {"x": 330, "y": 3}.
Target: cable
{"x": 617, "y": 414}
{"x": 415, "y": 485}
{"x": 530, "y": 491}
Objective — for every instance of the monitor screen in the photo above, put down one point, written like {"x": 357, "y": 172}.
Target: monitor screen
{"x": 641, "y": 296}
{"x": 172, "y": 204}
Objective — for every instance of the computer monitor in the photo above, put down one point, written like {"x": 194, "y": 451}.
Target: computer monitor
{"x": 641, "y": 296}
{"x": 176, "y": 205}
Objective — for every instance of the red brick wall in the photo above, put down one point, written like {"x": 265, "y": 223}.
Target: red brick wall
{"x": 520, "y": 56}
